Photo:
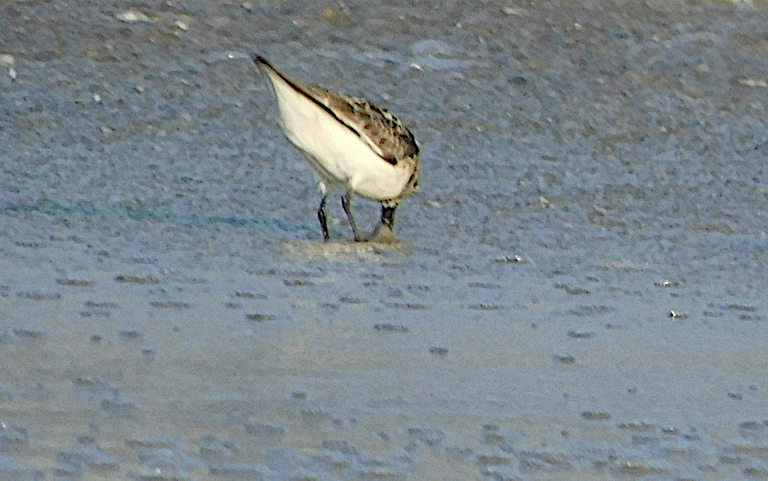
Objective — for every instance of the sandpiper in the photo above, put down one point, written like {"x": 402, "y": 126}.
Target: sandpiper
{"x": 350, "y": 144}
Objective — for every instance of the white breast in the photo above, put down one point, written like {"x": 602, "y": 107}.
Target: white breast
{"x": 336, "y": 153}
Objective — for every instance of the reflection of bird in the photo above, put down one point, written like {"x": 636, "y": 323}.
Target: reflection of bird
{"x": 350, "y": 144}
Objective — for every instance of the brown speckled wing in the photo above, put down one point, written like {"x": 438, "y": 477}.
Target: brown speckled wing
{"x": 381, "y": 130}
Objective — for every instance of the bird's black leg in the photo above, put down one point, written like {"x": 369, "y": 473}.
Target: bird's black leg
{"x": 388, "y": 216}
{"x": 321, "y": 215}
{"x": 383, "y": 232}
{"x": 346, "y": 203}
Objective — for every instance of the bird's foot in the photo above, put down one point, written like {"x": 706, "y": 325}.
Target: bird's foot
{"x": 381, "y": 235}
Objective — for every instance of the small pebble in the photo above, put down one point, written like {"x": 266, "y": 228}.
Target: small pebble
{"x": 565, "y": 359}
{"x": 510, "y": 259}
{"x": 438, "y": 351}
{"x": 329, "y": 14}
{"x": 132, "y": 16}
{"x": 754, "y": 82}
{"x": 677, "y": 315}
{"x": 580, "y": 334}
{"x": 595, "y": 415}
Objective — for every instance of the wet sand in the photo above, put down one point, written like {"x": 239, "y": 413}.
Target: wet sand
{"x": 579, "y": 290}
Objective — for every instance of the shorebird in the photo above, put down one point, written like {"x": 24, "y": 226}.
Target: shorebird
{"x": 350, "y": 144}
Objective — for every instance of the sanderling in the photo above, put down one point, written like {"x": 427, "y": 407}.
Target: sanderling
{"x": 350, "y": 144}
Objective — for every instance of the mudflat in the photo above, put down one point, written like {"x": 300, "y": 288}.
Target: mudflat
{"x": 579, "y": 290}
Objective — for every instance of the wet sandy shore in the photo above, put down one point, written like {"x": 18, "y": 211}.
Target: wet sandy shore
{"x": 579, "y": 291}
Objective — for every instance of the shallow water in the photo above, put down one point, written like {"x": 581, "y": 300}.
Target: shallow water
{"x": 579, "y": 290}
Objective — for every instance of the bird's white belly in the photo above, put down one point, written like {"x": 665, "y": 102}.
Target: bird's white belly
{"x": 337, "y": 154}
